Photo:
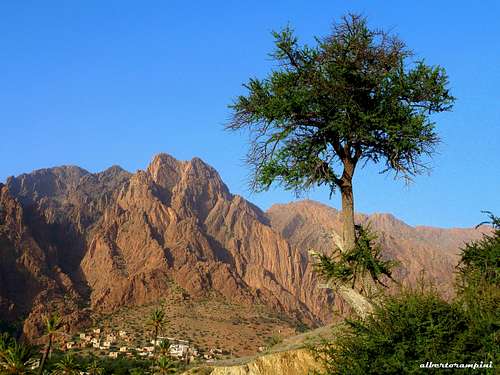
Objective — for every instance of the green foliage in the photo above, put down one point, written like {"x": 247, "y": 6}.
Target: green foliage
{"x": 273, "y": 340}
{"x": 102, "y": 365}
{"x": 355, "y": 95}
{"x": 6, "y": 341}
{"x": 351, "y": 265}
{"x": 52, "y": 323}
{"x": 479, "y": 290}
{"x": 15, "y": 358}
{"x": 157, "y": 317}
{"x": 125, "y": 366}
{"x": 164, "y": 365}
{"x": 163, "y": 347}
{"x": 157, "y": 320}
{"x": 68, "y": 365}
{"x": 94, "y": 368}
{"x": 406, "y": 331}
{"x": 418, "y": 326}
{"x": 480, "y": 260}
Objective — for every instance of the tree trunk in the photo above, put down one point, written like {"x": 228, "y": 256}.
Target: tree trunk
{"x": 358, "y": 302}
{"x": 348, "y": 228}
{"x": 155, "y": 340}
{"x": 45, "y": 355}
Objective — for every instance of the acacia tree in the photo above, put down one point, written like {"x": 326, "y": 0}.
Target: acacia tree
{"x": 356, "y": 96}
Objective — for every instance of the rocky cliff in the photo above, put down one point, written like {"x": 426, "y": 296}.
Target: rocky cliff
{"x": 426, "y": 252}
{"x": 76, "y": 241}
{"x": 293, "y": 362}
{"x": 113, "y": 238}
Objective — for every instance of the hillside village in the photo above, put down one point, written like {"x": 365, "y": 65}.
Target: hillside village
{"x": 120, "y": 343}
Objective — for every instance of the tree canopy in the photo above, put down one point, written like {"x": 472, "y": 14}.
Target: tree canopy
{"x": 357, "y": 95}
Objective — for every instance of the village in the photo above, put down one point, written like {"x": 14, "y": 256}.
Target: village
{"x": 120, "y": 343}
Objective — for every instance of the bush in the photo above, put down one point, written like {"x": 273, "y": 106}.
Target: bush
{"x": 365, "y": 259}
{"x": 480, "y": 261}
{"x": 273, "y": 340}
{"x": 407, "y": 330}
{"x": 478, "y": 285}
{"x": 418, "y": 326}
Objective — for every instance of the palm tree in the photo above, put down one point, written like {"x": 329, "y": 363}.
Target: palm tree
{"x": 164, "y": 347}
{"x": 94, "y": 369}
{"x": 136, "y": 371}
{"x": 5, "y": 342}
{"x": 164, "y": 365}
{"x": 157, "y": 320}
{"x": 17, "y": 359}
{"x": 67, "y": 366}
{"x": 52, "y": 326}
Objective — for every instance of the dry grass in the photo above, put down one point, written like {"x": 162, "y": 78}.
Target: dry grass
{"x": 207, "y": 323}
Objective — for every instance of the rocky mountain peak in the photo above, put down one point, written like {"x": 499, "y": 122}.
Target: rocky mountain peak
{"x": 48, "y": 182}
{"x": 165, "y": 170}
{"x": 114, "y": 239}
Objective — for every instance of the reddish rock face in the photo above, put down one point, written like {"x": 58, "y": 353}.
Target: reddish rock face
{"x": 421, "y": 251}
{"x": 31, "y": 282}
{"x": 71, "y": 239}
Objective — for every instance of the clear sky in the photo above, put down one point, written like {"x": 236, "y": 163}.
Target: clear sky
{"x": 97, "y": 83}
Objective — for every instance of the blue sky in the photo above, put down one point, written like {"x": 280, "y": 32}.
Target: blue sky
{"x": 97, "y": 83}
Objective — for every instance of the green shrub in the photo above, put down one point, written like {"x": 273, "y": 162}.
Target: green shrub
{"x": 274, "y": 340}
{"x": 478, "y": 285}
{"x": 365, "y": 259}
{"x": 418, "y": 326}
{"x": 406, "y": 331}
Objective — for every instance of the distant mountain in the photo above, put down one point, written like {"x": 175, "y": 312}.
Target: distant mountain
{"x": 113, "y": 238}
{"x": 422, "y": 251}
{"x": 78, "y": 242}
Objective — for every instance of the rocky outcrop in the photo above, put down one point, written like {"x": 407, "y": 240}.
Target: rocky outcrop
{"x": 71, "y": 239}
{"x": 31, "y": 282}
{"x": 118, "y": 239}
{"x": 294, "y": 362}
{"x": 177, "y": 221}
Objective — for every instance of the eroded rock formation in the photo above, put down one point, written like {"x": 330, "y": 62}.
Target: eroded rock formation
{"x": 76, "y": 242}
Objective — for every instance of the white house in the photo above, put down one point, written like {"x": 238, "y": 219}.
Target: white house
{"x": 69, "y": 345}
{"x": 158, "y": 341}
{"x": 178, "y": 350}
{"x": 111, "y": 338}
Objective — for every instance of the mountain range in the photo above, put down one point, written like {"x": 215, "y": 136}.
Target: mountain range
{"x": 81, "y": 243}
